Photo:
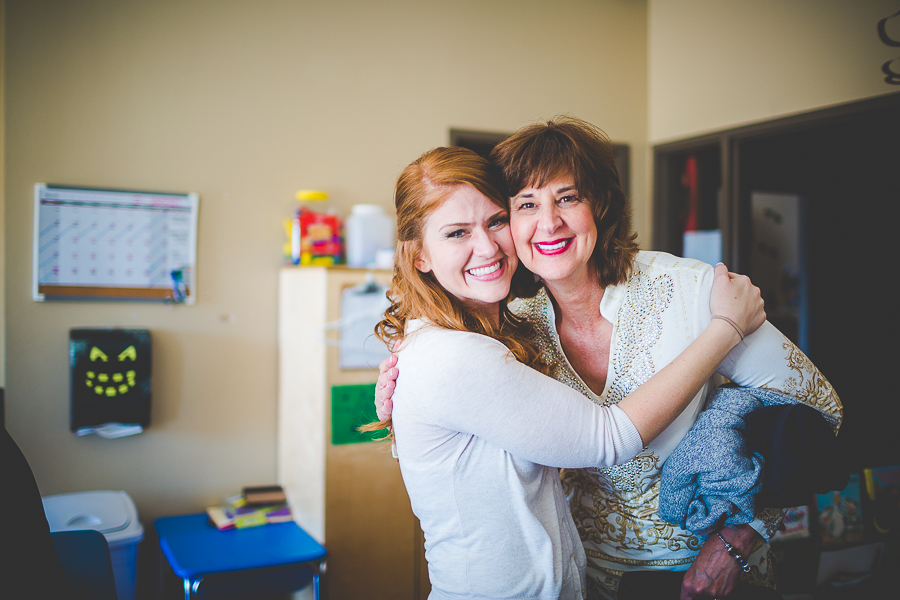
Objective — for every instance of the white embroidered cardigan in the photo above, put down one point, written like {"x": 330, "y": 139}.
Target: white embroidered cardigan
{"x": 655, "y": 315}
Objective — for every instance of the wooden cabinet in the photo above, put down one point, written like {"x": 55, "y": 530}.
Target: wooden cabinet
{"x": 350, "y": 497}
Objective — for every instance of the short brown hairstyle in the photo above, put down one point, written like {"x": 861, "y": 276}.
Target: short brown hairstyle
{"x": 566, "y": 146}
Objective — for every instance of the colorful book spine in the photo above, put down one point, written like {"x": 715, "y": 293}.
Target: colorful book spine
{"x": 237, "y": 514}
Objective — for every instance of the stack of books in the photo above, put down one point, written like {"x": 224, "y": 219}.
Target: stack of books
{"x": 253, "y": 507}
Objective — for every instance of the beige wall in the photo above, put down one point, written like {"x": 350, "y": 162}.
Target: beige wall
{"x": 245, "y": 103}
{"x": 714, "y": 65}
{"x": 2, "y": 195}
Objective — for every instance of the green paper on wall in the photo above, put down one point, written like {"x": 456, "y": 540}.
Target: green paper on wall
{"x": 352, "y": 406}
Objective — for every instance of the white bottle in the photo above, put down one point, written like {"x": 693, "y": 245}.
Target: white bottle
{"x": 367, "y": 230}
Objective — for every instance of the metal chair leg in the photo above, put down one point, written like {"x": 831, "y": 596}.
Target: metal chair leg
{"x": 191, "y": 587}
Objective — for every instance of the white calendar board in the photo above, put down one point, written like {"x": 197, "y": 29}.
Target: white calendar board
{"x": 94, "y": 243}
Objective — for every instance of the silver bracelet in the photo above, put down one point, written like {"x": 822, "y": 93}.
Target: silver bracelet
{"x": 735, "y": 554}
{"x": 732, "y": 323}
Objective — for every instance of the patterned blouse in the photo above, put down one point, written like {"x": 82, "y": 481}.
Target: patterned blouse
{"x": 656, "y": 314}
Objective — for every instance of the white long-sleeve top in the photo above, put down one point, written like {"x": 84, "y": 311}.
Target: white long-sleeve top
{"x": 474, "y": 429}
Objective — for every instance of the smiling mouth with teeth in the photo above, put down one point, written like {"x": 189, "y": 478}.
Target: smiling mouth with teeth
{"x": 544, "y": 247}
{"x": 482, "y": 271}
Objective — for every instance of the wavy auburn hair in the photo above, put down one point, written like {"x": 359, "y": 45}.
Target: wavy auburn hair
{"x": 566, "y": 146}
{"x": 423, "y": 186}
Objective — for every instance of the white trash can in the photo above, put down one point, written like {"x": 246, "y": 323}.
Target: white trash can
{"x": 113, "y": 514}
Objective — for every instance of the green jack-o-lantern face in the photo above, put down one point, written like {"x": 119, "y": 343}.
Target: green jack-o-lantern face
{"x": 111, "y": 379}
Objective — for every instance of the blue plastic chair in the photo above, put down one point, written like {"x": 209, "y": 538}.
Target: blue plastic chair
{"x": 85, "y": 560}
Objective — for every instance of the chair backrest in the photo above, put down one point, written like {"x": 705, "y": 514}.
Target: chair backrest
{"x": 85, "y": 559}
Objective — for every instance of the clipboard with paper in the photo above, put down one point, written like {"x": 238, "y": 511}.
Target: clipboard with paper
{"x": 362, "y": 307}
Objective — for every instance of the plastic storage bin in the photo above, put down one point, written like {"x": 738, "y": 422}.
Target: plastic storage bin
{"x": 113, "y": 514}
{"x": 367, "y": 230}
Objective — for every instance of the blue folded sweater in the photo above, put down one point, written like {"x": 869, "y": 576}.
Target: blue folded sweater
{"x": 711, "y": 479}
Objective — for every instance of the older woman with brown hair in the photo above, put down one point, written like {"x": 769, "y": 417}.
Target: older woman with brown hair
{"x": 608, "y": 318}
{"x": 477, "y": 422}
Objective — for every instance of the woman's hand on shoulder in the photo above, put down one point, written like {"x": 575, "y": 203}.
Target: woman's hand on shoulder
{"x": 384, "y": 387}
{"x": 737, "y": 299}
